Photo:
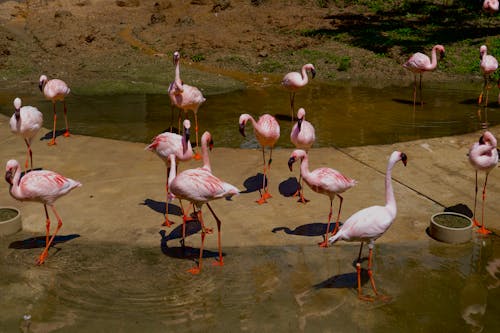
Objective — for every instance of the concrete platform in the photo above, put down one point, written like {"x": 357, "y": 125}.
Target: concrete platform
{"x": 123, "y": 189}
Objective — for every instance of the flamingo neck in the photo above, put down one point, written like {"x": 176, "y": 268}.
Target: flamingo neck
{"x": 433, "y": 59}
{"x": 18, "y": 114}
{"x": 178, "y": 81}
{"x": 173, "y": 172}
{"x": 390, "y": 200}
{"x": 305, "y": 78}
{"x": 14, "y": 186}
{"x": 206, "y": 158}
{"x": 304, "y": 166}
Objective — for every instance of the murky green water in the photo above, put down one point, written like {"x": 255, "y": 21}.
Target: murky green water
{"x": 342, "y": 115}
{"x": 88, "y": 287}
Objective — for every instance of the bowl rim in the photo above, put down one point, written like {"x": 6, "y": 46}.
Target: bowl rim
{"x": 450, "y": 228}
{"x": 11, "y": 208}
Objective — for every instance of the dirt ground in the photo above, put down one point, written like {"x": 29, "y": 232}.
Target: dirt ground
{"x": 126, "y": 45}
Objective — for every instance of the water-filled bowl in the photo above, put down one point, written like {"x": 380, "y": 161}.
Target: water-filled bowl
{"x": 451, "y": 227}
{"x": 10, "y": 221}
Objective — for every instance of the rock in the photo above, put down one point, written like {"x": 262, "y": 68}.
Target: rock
{"x": 127, "y": 3}
{"x": 220, "y": 5}
{"x": 157, "y": 18}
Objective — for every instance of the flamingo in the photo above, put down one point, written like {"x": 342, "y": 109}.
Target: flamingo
{"x": 488, "y": 65}
{"x": 420, "y": 63}
{"x": 267, "y": 132}
{"x": 293, "y": 81}
{"x": 483, "y": 156}
{"x": 303, "y": 137}
{"x": 41, "y": 186}
{"x": 166, "y": 144}
{"x": 200, "y": 186}
{"x": 55, "y": 90}
{"x": 368, "y": 224}
{"x": 185, "y": 97}
{"x": 490, "y": 6}
{"x": 326, "y": 181}
{"x": 26, "y": 122}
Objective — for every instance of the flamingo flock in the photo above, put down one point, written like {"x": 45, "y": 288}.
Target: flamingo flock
{"x": 200, "y": 186}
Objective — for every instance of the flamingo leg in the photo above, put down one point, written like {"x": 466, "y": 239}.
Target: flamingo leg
{"x": 66, "y": 134}
{"x": 338, "y": 216}
{"x": 197, "y": 155}
{"x": 197, "y": 269}
{"x": 45, "y": 252}
{"x": 179, "y": 120}
{"x": 414, "y": 90}
{"x": 166, "y": 223}
{"x": 292, "y": 98}
{"x": 29, "y": 155}
{"x": 420, "y": 88}
{"x": 53, "y": 141}
{"x": 300, "y": 192}
{"x": 475, "y": 204}
{"x": 325, "y": 242}
{"x": 219, "y": 262}
{"x": 264, "y": 194}
{"x": 483, "y": 230}
{"x": 480, "y": 99}
{"x": 372, "y": 280}
{"x": 172, "y": 109}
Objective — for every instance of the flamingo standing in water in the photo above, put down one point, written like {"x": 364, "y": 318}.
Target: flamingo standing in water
{"x": 200, "y": 186}
{"x": 488, "y": 65}
{"x": 41, "y": 186}
{"x": 26, "y": 122}
{"x": 185, "y": 97}
{"x": 483, "y": 155}
{"x": 55, "y": 90}
{"x": 166, "y": 144}
{"x": 490, "y": 6}
{"x": 368, "y": 224}
{"x": 293, "y": 81}
{"x": 303, "y": 137}
{"x": 326, "y": 181}
{"x": 267, "y": 132}
{"x": 420, "y": 63}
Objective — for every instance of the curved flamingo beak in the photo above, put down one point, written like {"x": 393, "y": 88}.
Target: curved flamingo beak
{"x": 211, "y": 144}
{"x": 8, "y": 176}
{"x": 290, "y": 163}
{"x": 313, "y": 72}
{"x": 442, "y": 54}
{"x": 242, "y": 129}
{"x": 404, "y": 158}
{"x": 299, "y": 123}
{"x": 40, "y": 86}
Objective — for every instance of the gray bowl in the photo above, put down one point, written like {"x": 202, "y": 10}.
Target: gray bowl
{"x": 450, "y": 227}
{"x": 10, "y": 225}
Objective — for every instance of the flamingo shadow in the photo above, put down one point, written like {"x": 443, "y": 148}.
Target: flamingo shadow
{"x": 461, "y": 209}
{"x": 39, "y": 242}
{"x": 284, "y": 117}
{"x": 48, "y": 135}
{"x": 289, "y": 187}
{"x": 405, "y": 101}
{"x": 254, "y": 183}
{"x": 308, "y": 230}
{"x": 160, "y": 207}
{"x": 346, "y": 280}
{"x": 184, "y": 252}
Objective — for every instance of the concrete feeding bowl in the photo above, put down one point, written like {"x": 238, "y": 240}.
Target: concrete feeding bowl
{"x": 10, "y": 221}
{"x": 450, "y": 227}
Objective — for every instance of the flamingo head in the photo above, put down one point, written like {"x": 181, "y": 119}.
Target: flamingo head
{"x": 42, "y": 81}
{"x": 300, "y": 117}
{"x": 207, "y": 137}
{"x": 17, "y": 107}
{"x": 296, "y": 155}
{"x": 482, "y": 51}
{"x": 441, "y": 50}
{"x": 312, "y": 69}
{"x": 243, "y": 121}
{"x": 10, "y": 169}
{"x": 187, "y": 126}
{"x": 488, "y": 138}
{"x": 177, "y": 57}
{"x": 404, "y": 158}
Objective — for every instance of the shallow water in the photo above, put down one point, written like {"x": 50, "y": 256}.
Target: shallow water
{"x": 342, "y": 115}
{"x": 88, "y": 287}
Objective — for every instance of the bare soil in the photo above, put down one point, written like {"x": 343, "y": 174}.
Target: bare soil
{"x": 126, "y": 45}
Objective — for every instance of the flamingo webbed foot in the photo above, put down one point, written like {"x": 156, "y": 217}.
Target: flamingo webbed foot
{"x": 483, "y": 231}
{"x": 194, "y": 270}
{"x": 66, "y": 134}
{"x": 167, "y": 223}
{"x": 323, "y": 244}
{"x": 42, "y": 258}
{"x": 197, "y": 156}
{"x": 52, "y": 142}
{"x": 218, "y": 262}
{"x": 367, "y": 298}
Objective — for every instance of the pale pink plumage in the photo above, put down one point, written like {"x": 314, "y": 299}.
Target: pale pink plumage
{"x": 419, "y": 63}
{"x": 490, "y": 6}
{"x": 293, "y": 81}
{"x": 166, "y": 144}
{"x": 55, "y": 90}
{"x": 327, "y": 181}
{"x": 26, "y": 122}
{"x": 368, "y": 224}
{"x": 267, "y": 132}
{"x": 488, "y": 65}
{"x": 483, "y": 156}
{"x": 200, "y": 186}
{"x": 185, "y": 97}
{"x": 40, "y": 186}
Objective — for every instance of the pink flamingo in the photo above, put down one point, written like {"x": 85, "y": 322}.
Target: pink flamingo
{"x": 293, "y": 81}
{"x": 267, "y": 132}
{"x": 166, "y": 144}
{"x": 26, "y": 122}
{"x": 41, "y": 186}
{"x": 368, "y": 224}
{"x": 303, "y": 137}
{"x": 200, "y": 186}
{"x": 326, "y": 181}
{"x": 490, "y": 6}
{"x": 55, "y": 90}
{"x": 185, "y": 97}
{"x": 483, "y": 156}
{"x": 488, "y": 66}
{"x": 420, "y": 63}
